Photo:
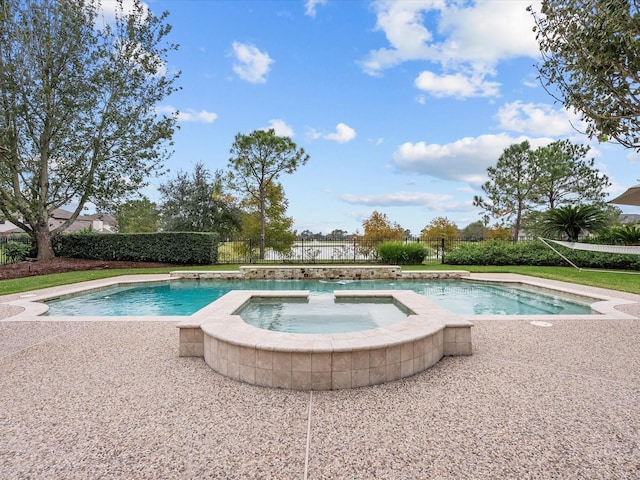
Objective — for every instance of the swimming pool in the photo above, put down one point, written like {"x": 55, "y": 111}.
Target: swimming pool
{"x": 185, "y": 297}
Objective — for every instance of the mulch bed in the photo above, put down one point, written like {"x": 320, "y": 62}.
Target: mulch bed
{"x": 30, "y": 268}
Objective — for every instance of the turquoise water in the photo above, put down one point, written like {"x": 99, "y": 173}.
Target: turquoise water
{"x": 185, "y": 297}
{"x": 320, "y": 315}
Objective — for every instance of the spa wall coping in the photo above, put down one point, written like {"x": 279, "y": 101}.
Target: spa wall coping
{"x": 219, "y": 321}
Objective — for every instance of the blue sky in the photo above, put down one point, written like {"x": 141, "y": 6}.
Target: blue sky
{"x": 401, "y": 105}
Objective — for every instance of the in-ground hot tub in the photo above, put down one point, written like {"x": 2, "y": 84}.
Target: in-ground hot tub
{"x": 324, "y": 361}
{"x": 321, "y": 314}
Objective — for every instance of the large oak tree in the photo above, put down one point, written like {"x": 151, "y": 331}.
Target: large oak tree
{"x": 78, "y": 118}
{"x": 591, "y": 63}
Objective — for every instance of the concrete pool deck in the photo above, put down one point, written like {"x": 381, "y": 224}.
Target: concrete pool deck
{"x": 112, "y": 399}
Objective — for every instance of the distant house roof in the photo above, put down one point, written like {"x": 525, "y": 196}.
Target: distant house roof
{"x": 630, "y": 217}
{"x": 105, "y": 217}
{"x": 61, "y": 214}
{"x": 82, "y": 222}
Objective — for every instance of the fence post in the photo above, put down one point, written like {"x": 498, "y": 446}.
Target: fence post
{"x": 354, "y": 249}
{"x": 442, "y": 246}
{"x": 302, "y": 250}
{"x": 250, "y": 252}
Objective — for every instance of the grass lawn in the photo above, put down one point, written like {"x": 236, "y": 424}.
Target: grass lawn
{"x": 624, "y": 282}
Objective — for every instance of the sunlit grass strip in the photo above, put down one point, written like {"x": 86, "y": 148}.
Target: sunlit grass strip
{"x": 621, "y": 281}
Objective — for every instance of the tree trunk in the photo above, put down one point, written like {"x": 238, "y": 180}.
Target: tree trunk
{"x": 263, "y": 222}
{"x": 516, "y": 225}
{"x": 44, "y": 243}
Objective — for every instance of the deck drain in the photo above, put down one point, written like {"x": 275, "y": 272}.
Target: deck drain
{"x": 541, "y": 324}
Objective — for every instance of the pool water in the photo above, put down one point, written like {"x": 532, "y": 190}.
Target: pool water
{"x": 185, "y": 297}
{"x": 320, "y": 315}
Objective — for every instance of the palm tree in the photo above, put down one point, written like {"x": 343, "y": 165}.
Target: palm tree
{"x": 627, "y": 234}
{"x": 571, "y": 221}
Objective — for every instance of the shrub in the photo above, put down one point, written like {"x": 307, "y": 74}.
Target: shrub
{"x": 627, "y": 234}
{"x": 400, "y": 253}
{"x": 500, "y": 252}
{"x": 168, "y": 247}
{"x": 17, "y": 251}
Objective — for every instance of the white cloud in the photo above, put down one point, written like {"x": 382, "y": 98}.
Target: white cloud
{"x": 633, "y": 157}
{"x": 281, "y": 128}
{"x": 313, "y": 134}
{"x": 310, "y": 7}
{"x": 111, "y": 7}
{"x": 344, "y": 133}
{"x": 467, "y": 41}
{"x": 538, "y": 119}
{"x": 402, "y": 24}
{"x": 464, "y": 160}
{"x": 488, "y": 32}
{"x": 189, "y": 114}
{"x": 456, "y": 85}
{"x": 433, "y": 201}
{"x": 251, "y": 64}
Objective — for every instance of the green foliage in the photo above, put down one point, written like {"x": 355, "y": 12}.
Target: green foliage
{"x": 590, "y": 58}
{"x": 474, "y": 232}
{"x": 78, "y": 108}
{"x": 378, "y": 228}
{"x": 555, "y": 175}
{"x": 567, "y": 177}
{"x": 169, "y": 247}
{"x": 572, "y": 221}
{"x": 511, "y": 188}
{"x": 17, "y": 251}
{"x": 400, "y": 253}
{"x": 196, "y": 203}
{"x": 499, "y": 232}
{"x": 138, "y": 216}
{"x": 625, "y": 234}
{"x": 279, "y": 234}
{"x": 257, "y": 160}
{"x": 85, "y": 231}
{"x": 439, "y": 228}
{"x": 500, "y": 252}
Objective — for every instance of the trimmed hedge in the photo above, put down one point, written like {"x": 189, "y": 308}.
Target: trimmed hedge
{"x": 167, "y": 247}
{"x": 400, "y": 253}
{"x": 534, "y": 252}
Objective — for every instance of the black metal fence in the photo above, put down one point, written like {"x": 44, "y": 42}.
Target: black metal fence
{"x": 4, "y": 240}
{"x": 355, "y": 250}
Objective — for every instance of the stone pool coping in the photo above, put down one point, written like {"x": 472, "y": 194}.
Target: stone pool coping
{"x": 26, "y": 306}
{"x": 333, "y": 361}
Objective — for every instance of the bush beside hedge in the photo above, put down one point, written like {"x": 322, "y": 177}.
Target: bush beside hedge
{"x": 167, "y": 247}
{"x": 500, "y": 252}
{"x": 400, "y": 253}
